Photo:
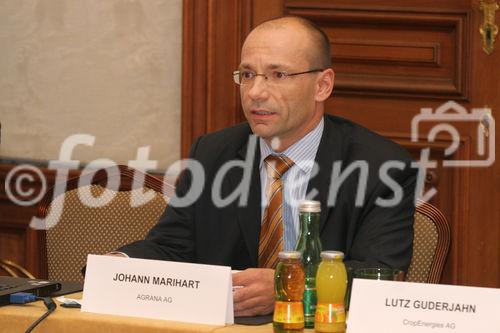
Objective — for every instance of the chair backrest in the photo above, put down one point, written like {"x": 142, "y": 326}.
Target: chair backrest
{"x": 89, "y": 224}
{"x": 431, "y": 242}
{"x": 14, "y": 269}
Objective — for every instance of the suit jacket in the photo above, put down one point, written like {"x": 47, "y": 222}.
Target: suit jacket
{"x": 368, "y": 235}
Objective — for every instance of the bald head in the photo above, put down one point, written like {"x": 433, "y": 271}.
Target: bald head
{"x": 318, "y": 53}
{"x": 287, "y": 63}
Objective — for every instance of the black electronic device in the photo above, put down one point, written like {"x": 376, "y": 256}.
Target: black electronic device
{"x": 11, "y": 285}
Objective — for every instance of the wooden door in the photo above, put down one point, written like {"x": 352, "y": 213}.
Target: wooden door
{"x": 391, "y": 60}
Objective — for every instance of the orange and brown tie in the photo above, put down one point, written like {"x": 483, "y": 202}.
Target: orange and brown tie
{"x": 271, "y": 230}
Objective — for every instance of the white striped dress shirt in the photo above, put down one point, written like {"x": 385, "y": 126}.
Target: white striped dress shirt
{"x": 295, "y": 180}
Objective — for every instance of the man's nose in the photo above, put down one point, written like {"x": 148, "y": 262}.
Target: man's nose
{"x": 258, "y": 89}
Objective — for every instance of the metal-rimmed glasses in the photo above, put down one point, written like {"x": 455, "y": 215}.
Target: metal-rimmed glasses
{"x": 246, "y": 76}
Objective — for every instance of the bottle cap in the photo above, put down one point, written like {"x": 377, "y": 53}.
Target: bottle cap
{"x": 332, "y": 255}
{"x": 310, "y": 206}
{"x": 290, "y": 255}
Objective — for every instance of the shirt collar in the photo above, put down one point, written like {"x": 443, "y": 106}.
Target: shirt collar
{"x": 302, "y": 152}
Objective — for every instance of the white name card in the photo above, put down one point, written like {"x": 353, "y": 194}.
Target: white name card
{"x": 158, "y": 289}
{"x": 399, "y": 307}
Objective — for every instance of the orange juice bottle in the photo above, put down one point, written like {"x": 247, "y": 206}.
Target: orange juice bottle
{"x": 331, "y": 284}
{"x": 289, "y": 287}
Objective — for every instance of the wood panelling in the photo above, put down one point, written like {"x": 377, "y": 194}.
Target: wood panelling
{"x": 12, "y": 241}
{"x": 213, "y": 32}
{"x": 391, "y": 53}
{"x": 395, "y": 53}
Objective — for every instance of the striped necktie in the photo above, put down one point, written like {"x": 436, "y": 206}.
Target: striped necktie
{"x": 271, "y": 230}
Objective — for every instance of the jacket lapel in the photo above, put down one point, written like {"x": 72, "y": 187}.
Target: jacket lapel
{"x": 329, "y": 151}
{"x": 249, "y": 215}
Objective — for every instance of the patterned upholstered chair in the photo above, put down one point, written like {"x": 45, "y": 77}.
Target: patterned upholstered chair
{"x": 89, "y": 224}
{"x": 14, "y": 269}
{"x": 431, "y": 243}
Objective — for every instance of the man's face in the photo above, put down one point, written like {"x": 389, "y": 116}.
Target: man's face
{"x": 284, "y": 112}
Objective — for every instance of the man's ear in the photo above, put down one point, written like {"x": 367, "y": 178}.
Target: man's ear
{"x": 325, "y": 85}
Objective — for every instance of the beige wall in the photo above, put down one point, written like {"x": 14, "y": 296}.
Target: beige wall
{"x": 111, "y": 69}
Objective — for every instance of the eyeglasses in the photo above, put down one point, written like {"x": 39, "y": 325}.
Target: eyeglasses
{"x": 275, "y": 77}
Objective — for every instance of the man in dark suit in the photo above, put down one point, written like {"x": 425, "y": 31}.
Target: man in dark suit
{"x": 367, "y": 204}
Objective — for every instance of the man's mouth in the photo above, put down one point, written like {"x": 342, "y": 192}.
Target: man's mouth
{"x": 258, "y": 112}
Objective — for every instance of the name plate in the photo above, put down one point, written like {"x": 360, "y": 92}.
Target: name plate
{"x": 388, "y": 306}
{"x": 158, "y": 289}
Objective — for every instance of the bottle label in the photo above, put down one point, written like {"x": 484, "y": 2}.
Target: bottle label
{"x": 329, "y": 313}
{"x": 310, "y": 299}
{"x": 288, "y": 312}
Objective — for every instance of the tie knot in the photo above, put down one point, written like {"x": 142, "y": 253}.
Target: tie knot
{"x": 277, "y": 165}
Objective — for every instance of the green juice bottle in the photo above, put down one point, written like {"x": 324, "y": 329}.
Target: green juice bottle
{"x": 309, "y": 245}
